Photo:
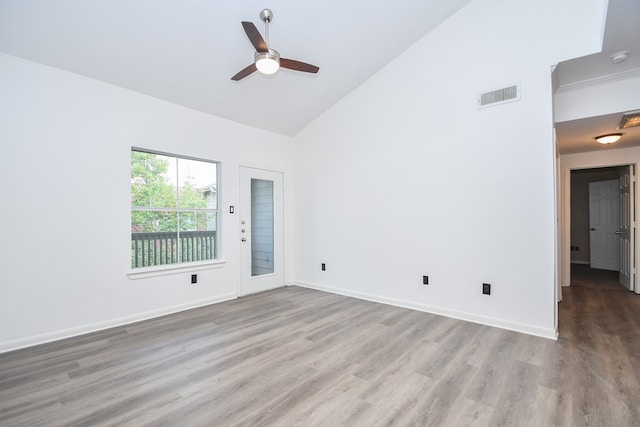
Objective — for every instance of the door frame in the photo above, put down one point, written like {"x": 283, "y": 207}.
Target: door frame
{"x": 592, "y": 160}
{"x": 241, "y": 291}
{"x": 628, "y": 227}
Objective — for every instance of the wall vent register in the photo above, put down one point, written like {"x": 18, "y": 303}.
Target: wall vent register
{"x": 499, "y": 96}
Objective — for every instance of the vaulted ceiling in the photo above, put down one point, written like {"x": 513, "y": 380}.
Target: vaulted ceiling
{"x": 185, "y": 52}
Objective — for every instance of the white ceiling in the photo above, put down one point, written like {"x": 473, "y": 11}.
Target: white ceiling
{"x": 576, "y": 136}
{"x": 186, "y": 51}
{"x": 622, "y": 32}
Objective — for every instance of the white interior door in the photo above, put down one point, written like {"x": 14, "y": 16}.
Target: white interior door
{"x": 261, "y": 230}
{"x": 604, "y": 225}
{"x": 627, "y": 226}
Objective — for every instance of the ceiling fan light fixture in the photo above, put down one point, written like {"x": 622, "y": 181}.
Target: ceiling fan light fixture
{"x": 267, "y": 62}
{"x": 609, "y": 138}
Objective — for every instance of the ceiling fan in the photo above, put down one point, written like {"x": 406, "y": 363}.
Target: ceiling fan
{"x": 267, "y": 60}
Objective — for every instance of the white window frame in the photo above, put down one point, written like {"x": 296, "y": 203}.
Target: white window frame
{"x": 181, "y": 266}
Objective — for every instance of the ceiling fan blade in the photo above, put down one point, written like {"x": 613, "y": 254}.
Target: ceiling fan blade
{"x": 298, "y": 66}
{"x": 254, "y": 36}
{"x": 245, "y": 72}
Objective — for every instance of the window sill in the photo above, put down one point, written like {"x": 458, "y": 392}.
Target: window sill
{"x": 165, "y": 270}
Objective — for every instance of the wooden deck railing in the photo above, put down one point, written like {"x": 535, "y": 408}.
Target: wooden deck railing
{"x": 152, "y": 249}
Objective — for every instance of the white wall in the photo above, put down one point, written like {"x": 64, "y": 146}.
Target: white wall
{"x": 405, "y": 177}
{"x": 578, "y": 102}
{"x": 66, "y": 144}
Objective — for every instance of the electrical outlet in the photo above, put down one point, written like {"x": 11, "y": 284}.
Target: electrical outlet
{"x": 194, "y": 279}
{"x": 324, "y": 267}
{"x": 425, "y": 280}
{"x": 486, "y": 288}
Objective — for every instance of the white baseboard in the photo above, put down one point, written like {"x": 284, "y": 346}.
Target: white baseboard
{"x": 99, "y": 326}
{"x": 483, "y": 320}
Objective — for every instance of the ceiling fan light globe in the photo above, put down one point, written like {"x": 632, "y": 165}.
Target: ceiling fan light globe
{"x": 267, "y": 65}
{"x": 267, "y": 62}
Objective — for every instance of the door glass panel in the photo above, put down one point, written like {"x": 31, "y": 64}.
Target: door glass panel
{"x": 261, "y": 227}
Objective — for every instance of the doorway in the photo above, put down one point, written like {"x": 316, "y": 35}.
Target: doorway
{"x": 601, "y": 220}
{"x": 261, "y": 230}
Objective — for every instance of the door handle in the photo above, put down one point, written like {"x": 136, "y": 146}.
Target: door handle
{"x": 618, "y": 232}
{"x": 593, "y": 229}
{"x": 244, "y": 239}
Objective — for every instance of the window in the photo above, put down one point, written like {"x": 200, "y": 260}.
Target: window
{"x": 174, "y": 209}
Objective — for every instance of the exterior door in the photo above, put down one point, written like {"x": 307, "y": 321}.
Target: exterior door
{"x": 261, "y": 230}
{"x": 604, "y": 225}
{"x": 627, "y": 224}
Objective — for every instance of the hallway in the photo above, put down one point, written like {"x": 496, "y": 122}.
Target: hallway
{"x": 599, "y": 346}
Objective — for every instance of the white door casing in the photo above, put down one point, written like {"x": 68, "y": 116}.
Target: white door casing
{"x": 604, "y": 225}
{"x": 261, "y": 230}
{"x": 627, "y": 226}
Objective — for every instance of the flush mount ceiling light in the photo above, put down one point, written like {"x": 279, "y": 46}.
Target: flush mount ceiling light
{"x": 609, "y": 138}
{"x": 618, "y": 57}
{"x": 629, "y": 120}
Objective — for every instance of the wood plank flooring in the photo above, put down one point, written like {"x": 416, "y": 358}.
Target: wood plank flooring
{"x": 299, "y": 357}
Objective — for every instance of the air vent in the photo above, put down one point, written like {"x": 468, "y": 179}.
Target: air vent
{"x": 499, "y": 96}
{"x": 629, "y": 120}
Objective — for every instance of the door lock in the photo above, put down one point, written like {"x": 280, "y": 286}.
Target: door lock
{"x": 244, "y": 239}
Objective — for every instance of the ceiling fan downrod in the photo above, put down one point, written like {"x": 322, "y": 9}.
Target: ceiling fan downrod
{"x": 266, "y": 16}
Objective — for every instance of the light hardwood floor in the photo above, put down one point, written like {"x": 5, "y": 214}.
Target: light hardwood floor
{"x": 298, "y": 357}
